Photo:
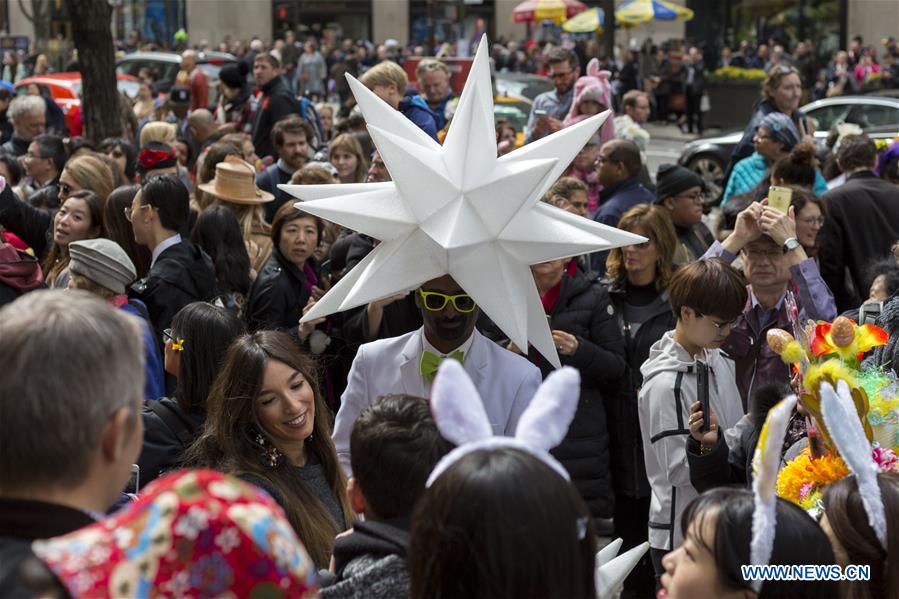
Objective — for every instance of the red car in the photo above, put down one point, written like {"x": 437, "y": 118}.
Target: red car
{"x": 65, "y": 89}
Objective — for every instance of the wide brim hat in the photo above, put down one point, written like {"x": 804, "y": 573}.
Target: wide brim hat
{"x": 235, "y": 182}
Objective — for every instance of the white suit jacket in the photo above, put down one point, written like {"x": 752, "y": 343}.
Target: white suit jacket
{"x": 505, "y": 380}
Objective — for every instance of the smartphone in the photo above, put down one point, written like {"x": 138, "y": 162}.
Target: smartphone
{"x": 133, "y": 484}
{"x": 702, "y": 390}
{"x": 780, "y": 198}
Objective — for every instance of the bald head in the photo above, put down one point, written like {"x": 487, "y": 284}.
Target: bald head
{"x": 188, "y": 60}
{"x": 201, "y": 124}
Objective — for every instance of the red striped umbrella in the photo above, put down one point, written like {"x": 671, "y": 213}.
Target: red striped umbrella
{"x": 535, "y": 11}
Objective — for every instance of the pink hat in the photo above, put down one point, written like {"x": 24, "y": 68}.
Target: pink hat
{"x": 593, "y": 86}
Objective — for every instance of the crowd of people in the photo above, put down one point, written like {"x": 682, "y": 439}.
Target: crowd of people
{"x": 153, "y": 285}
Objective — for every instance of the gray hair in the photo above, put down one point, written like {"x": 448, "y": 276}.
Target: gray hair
{"x": 22, "y": 105}
{"x": 70, "y": 361}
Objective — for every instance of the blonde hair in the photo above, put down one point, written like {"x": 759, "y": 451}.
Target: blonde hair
{"x": 385, "y": 73}
{"x": 657, "y": 226}
{"x": 347, "y": 142}
{"x": 158, "y": 131}
{"x": 91, "y": 173}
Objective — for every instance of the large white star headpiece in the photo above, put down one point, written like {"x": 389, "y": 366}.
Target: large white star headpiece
{"x": 457, "y": 209}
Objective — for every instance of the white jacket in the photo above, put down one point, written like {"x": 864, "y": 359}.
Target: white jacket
{"x": 506, "y": 381}
{"x": 669, "y": 388}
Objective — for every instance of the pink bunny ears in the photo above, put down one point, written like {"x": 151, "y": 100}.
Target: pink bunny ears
{"x": 461, "y": 418}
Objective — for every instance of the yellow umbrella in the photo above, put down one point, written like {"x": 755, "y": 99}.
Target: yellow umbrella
{"x": 637, "y": 12}
{"x": 587, "y": 22}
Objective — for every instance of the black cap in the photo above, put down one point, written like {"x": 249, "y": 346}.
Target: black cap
{"x": 179, "y": 96}
{"x": 672, "y": 179}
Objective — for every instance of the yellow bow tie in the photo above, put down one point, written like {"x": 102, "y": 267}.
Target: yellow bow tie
{"x": 430, "y": 362}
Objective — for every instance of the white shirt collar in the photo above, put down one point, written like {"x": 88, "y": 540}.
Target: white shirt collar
{"x": 163, "y": 246}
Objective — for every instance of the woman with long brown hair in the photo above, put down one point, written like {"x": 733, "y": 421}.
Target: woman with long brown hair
{"x": 345, "y": 153}
{"x": 267, "y": 423}
{"x": 79, "y": 217}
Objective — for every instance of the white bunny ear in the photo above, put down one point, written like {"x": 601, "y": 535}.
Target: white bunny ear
{"x": 610, "y": 575}
{"x": 457, "y": 406}
{"x": 593, "y": 67}
{"x": 845, "y": 428}
{"x": 608, "y": 553}
{"x": 765, "y": 466}
{"x": 545, "y": 421}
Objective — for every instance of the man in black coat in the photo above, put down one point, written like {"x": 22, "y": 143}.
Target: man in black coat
{"x": 180, "y": 272}
{"x": 861, "y": 225}
{"x": 73, "y": 370}
{"x": 275, "y": 103}
{"x": 292, "y": 136}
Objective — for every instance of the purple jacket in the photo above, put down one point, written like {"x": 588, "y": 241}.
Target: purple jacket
{"x": 757, "y": 364}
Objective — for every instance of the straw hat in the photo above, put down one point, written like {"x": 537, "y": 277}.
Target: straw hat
{"x": 235, "y": 181}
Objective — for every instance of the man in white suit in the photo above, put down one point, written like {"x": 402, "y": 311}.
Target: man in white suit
{"x": 407, "y": 364}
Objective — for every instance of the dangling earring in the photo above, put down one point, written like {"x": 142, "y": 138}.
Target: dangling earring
{"x": 271, "y": 456}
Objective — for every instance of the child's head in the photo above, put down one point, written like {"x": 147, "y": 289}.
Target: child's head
{"x": 845, "y": 522}
{"x": 485, "y": 529}
{"x": 393, "y": 447}
{"x": 707, "y": 296}
{"x": 717, "y": 529}
{"x": 387, "y": 80}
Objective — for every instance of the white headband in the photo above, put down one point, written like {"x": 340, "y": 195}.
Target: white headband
{"x": 460, "y": 416}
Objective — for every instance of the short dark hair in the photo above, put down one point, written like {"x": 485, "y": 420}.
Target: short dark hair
{"x": 627, "y": 153}
{"x": 711, "y": 287}
{"x": 293, "y": 124}
{"x": 856, "y": 151}
{"x": 13, "y": 166}
{"x": 111, "y": 143}
{"x": 269, "y": 58}
{"x": 393, "y": 448}
{"x": 288, "y": 213}
{"x": 563, "y": 55}
{"x": 171, "y": 199}
{"x": 798, "y": 540}
{"x": 51, "y": 146}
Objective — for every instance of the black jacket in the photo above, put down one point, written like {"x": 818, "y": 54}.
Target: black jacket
{"x": 268, "y": 180}
{"x": 30, "y": 224}
{"x": 626, "y": 444}
{"x": 23, "y": 521}
{"x": 371, "y": 562}
{"x": 349, "y": 249}
{"x": 862, "y": 224}
{"x": 168, "y": 432}
{"x": 276, "y": 103}
{"x": 585, "y": 311}
{"x": 277, "y": 297}
{"x": 181, "y": 275}
{"x": 15, "y": 146}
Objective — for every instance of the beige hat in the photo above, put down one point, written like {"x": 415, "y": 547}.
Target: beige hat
{"x": 235, "y": 182}
{"x": 103, "y": 261}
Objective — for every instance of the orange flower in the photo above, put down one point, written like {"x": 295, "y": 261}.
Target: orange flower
{"x": 853, "y": 343}
{"x": 802, "y": 471}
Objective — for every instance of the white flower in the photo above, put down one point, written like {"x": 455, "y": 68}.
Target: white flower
{"x": 228, "y": 539}
{"x": 178, "y": 584}
{"x": 191, "y": 523}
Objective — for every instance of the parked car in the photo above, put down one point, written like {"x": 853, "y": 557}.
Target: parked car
{"x": 521, "y": 85}
{"x": 878, "y": 116}
{"x": 65, "y": 89}
{"x": 167, "y": 64}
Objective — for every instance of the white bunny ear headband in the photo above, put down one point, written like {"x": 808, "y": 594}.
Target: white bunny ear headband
{"x": 460, "y": 416}
{"x": 611, "y": 570}
{"x": 845, "y": 428}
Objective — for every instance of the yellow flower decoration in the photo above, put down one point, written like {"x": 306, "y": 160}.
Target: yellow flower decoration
{"x": 803, "y": 476}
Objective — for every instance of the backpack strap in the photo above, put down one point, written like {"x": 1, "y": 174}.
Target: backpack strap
{"x": 172, "y": 419}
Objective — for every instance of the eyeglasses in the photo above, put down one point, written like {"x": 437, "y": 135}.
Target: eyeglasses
{"x": 603, "y": 160}
{"x": 719, "y": 326}
{"x": 435, "y": 301}
{"x": 65, "y": 189}
{"x": 814, "y": 221}
{"x": 129, "y": 212}
{"x": 772, "y": 255}
{"x": 560, "y": 75}
{"x": 177, "y": 343}
{"x": 693, "y": 197}
{"x": 758, "y": 137}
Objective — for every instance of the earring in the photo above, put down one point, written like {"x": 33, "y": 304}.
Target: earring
{"x": 271, "y": 456}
